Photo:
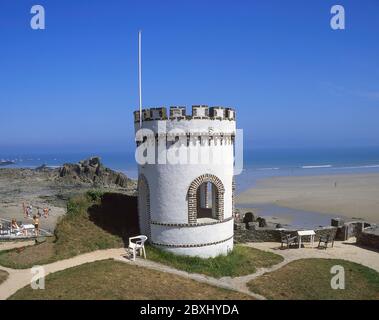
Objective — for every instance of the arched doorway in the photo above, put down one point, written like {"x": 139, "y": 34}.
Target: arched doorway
{"x": 144, "y": 206}
{"x": 206, "y": 204}
{"x": 206, "y": 198}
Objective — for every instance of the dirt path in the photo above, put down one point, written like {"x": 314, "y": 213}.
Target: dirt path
{"x": 18, "y": 279}
{"x": 342, "y": 250}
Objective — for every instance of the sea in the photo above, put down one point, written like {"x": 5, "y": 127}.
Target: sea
{"x": 259, "y": 163}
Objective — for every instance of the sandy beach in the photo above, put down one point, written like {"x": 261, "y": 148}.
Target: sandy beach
{"x": 32, "y": 188}
{"x": 350, "y": 196}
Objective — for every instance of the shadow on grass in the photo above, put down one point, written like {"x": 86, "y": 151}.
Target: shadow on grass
{"x": 116, "y": 214}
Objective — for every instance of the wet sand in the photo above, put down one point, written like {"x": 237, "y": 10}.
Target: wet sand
{"x": 350, "y": 196}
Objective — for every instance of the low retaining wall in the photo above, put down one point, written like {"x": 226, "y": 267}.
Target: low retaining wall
{"x": 350, "y": 229}
{"x": 256, "y": 234}
{"x": 249, "y": 228}
{"x": 369, "y": 237}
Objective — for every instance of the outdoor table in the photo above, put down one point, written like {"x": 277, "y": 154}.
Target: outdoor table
{"x": 302, "y": 233}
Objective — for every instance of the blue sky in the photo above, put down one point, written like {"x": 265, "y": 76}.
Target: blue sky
{"x": 294, "y": 81}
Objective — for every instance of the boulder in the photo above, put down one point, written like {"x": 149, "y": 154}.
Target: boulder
{"x": 248, "y": 217}
{"x": 262, "y": 222}
{"x": 92, "y": 171}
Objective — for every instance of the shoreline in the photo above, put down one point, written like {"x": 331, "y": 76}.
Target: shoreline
{"x": 283, "y": 199}
{"x": 350, "y": 196}
{"x": 51, "y": 188}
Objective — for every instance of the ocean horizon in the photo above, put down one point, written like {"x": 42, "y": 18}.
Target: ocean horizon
{"x": 258, "y": 163}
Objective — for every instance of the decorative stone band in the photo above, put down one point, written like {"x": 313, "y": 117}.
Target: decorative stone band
{"x": 189, "y": 138}
{"x": 191, "y": 245}
{"x": 184, "y": 118}
{"x": 189, "y": 134}
{"x": 185, "y": 225}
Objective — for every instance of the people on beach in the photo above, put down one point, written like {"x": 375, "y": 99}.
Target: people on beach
{"x": 14, "y": 224}
{"x": 46, "y": 212}
{"x": 16, "y": 228}
{"x": 36, "y": 225}
{"x": 28, "y": 210}
{"x": 24, "y": 210}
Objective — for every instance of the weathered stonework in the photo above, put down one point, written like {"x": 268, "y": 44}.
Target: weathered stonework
{"x": 350, "y": 229}
{"x": 193, "y": 199}
{"x": 369, "y": 237}
{"x": 197, "y": 224}
{"x": 192, "y": 245}
{"x": 257, "y": 234}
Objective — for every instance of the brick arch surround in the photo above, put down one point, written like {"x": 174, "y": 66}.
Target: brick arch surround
{"x": 192, "y": 196}
{"x": 144, "y": 200}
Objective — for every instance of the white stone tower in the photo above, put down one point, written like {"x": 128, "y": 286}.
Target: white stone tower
{"x": 187, "y": 207}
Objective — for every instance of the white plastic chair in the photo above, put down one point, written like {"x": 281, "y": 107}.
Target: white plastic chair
{"x": 137, "y": 243}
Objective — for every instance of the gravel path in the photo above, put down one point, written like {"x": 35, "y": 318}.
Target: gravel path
{"x": 346, "y": 250}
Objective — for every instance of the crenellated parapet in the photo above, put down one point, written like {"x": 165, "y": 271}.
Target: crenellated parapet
{"x": 179, "y": 113}
{"x": 185, "y": 190}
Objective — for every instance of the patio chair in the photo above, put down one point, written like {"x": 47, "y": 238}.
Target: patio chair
{"x": 288, "y": 240}
{"x": 136, "y": 244}
{"x": 326, "y": 240}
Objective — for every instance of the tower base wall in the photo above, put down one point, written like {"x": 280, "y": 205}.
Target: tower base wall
{"x": 207, "y": 251}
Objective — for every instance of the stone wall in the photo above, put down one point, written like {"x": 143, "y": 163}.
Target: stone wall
{"x": 249, "y": 228}
{"x": 369, "y": 237}
{"x": 350, "y": 229}
{"x": 256, "y": 234}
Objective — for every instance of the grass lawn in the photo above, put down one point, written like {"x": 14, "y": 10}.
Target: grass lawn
{"x": 3, "y": 276}
{"x": 75, "y": 234}
{"x": 310, "y": 279}
{"x": 117, "y": 280}
{"x": 241, "y": 261}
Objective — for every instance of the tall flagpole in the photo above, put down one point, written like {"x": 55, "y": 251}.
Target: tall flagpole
{"x": 140, "y": 78}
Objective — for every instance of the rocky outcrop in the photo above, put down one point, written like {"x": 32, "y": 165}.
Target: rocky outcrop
{"x": 249, "y": 219}
{"x": 251, "y": 228}
{"x": 92, "y": 171}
